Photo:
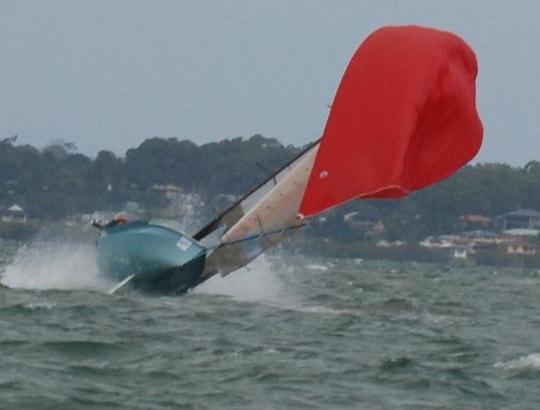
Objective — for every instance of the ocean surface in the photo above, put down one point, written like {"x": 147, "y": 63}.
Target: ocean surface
{"x": 290, "y": 333}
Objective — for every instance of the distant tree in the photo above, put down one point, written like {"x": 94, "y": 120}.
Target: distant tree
{"x": 57, "y": 181}
{"x": 9, "y": 140}
{"x": 59, "y": 148}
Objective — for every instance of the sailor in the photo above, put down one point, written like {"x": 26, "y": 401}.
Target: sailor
{"x": 119, "y": 219}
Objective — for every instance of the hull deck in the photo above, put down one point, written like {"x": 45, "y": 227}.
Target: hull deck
{"x": 161, "y": 260}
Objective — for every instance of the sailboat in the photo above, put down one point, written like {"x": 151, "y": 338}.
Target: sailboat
{"x": 404, "y": 117}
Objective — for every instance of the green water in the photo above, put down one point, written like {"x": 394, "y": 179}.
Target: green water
{"x": 288, "y": 334}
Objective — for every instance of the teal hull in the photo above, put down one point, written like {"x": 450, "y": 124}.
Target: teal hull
{"x": 162, "y": 260}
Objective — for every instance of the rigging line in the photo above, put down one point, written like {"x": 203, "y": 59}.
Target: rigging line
{"x": 268, "y": 171}
{"x": 254, "y": 236}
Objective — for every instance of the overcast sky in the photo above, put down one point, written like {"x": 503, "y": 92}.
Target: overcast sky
{"x": 108, "y": 74}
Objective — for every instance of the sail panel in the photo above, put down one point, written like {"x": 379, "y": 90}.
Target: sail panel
{"x": 278, "y": 209}
{"x": 404, "y": 117}
{"x": 266, "y": 223}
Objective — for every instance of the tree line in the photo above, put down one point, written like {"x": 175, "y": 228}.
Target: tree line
{"x": 57, "y": 181}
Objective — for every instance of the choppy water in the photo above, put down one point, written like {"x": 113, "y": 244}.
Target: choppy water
{"x": 295, "y": 334}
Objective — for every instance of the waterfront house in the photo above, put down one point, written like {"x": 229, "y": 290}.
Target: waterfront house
{"x": 475, "y": 222}
{"x": 367, "y": 224}
{"x": 14, "y": 214}
{"x": 520, "y": 219}
{"x": 462, "y": 251}
{"x": 172, "y": 192}
{"x": 521, "y": 248}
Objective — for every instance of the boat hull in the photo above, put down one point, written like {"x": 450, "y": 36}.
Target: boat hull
{"x": 161, "y": 260}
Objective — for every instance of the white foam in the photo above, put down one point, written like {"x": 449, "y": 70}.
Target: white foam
{"x": 326, "y": 310}
{"x": 52, "y": 265}
{"x": 531, "y": 361}
{"x": 257, "y": 282}
{"x": 261, "y": 284}
{"x": 318, "y": 267}
{"x": 40, "y": 305}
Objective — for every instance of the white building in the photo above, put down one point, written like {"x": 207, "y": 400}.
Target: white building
{"x": 14, "y": 214}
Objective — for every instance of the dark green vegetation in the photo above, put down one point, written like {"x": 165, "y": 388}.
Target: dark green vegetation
{"x": 56, "y": 182}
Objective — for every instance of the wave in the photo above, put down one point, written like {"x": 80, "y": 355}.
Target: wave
{"x": 528, "y": 362}
{"x": 261, "y": 283}
{"x": 256, "y": 282}
{"x": 54, "y": 265}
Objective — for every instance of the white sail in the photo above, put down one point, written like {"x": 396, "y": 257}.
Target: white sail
{"x": 278, "y": 209}
{"x": 262, "y": 218}
{"x": 233, "y": 214}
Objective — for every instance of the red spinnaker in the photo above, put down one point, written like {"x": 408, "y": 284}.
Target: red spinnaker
{"x": 404, "y": 117}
